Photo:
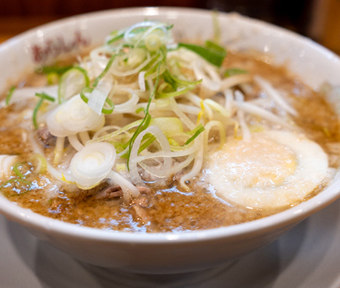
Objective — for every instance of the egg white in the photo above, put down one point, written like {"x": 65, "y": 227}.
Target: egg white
{"x": 274, "y": 169}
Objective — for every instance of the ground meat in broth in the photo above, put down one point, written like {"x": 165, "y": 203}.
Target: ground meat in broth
{"x": 162, "y": 209}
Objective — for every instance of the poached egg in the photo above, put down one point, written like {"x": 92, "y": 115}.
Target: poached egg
{"x": 274, "y": 169}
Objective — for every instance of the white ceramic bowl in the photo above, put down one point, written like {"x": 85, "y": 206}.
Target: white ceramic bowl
{"x": 166, "y": 252}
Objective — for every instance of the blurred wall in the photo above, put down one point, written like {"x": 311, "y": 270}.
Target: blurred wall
{"x": 325, "y": 27}
{"x": 296, "y": 15}
{"x": 72, "y": 7}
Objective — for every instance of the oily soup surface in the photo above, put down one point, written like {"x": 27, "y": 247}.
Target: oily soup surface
{"x": 166, "y": 207}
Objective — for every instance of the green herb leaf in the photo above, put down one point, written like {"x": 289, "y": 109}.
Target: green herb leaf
{"x": 214, "y": 47}
{"x": 213, "y": 57}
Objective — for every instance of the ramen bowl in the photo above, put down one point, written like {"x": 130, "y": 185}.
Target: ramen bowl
{"x": 161, "y": 253}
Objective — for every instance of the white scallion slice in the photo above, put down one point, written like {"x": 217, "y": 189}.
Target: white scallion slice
{"x": 74, "y": 141}
{"x": 129, "y": 105}
{"x": 92, "y": 164}
{"x": 141, "y": 81}
{"x": 6, "y": 164}
{"x": 71, "y": 83}
{"x": 73, "y": 116}
{"x": 100, "y": 93}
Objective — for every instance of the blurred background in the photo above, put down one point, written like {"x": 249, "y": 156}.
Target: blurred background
{"x": 317, "y": 19}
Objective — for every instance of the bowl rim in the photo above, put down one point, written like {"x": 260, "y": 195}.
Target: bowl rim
{"x": 30, "y": 219}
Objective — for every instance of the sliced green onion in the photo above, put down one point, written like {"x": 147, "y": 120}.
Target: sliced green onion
{"x": 185, "y": 82}
{"x": 143, "y": 30}
{"x": 108, "y": 137}
{"x": 139, "y": 110}
{"x": 20, "y": 180}
{"x": 175, "y": 83}
{"x": 197, "y": 131}
{"x": 154, "y": 71}
{"x": 120, "y": 147}
{"x": 9, "y": 95}
{"x": 40, "y": 163}
{"x": 153, "y": 42}
{"x": 169, "y": 79}
{"x": 53, "y": 69}
{"x": 52, "y": 78}
{"x": 153, "y": 74}
{"x": 45, "y": 96}
{"x": 147, "y": 118}
{"x": 116, "y": 38}
{"x": 107, "y": 68}
{"x": 173, "y": 142}
{"x": 154, "y": 60}
{"x": 84, "y": 81}
{"x": 17, "y": 171}
{"x": 179, "y": 92}
{"x": 149, "y": 140}
{"x": 169, "y": 27}
{"x": 84, "y": 91}
{"x": 35, "y": 113}
{"x": 170, "y": 126}
{"x": 234, "y": 71}
{"x": 210, "y": 55}
{"x": 109, "y": 106}
{"x": 138, "y": 30}
{"x": 92, "y": 164}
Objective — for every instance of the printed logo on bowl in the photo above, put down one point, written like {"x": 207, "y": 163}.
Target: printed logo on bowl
{"x": 53, "y": 47}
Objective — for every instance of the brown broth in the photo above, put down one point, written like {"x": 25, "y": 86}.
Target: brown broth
{"x": 165, "y": 208}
